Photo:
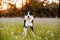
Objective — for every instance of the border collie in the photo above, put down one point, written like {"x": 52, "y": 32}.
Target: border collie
{"x": 28, "y": 22}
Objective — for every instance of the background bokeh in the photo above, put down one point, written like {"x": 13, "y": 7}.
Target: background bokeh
{"x": 40, "y": 8}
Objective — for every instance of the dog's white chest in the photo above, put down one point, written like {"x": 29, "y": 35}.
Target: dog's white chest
{"x": 28, "y": 20}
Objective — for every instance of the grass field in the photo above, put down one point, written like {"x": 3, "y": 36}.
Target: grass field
{"x": 44, "y": 29}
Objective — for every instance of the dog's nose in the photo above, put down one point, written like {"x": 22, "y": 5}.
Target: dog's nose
{"x": 28, "y": 16}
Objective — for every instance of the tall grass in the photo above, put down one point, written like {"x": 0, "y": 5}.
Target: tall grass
{"x": 44, "y": 29}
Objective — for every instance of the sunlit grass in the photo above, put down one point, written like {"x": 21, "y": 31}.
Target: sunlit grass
{"x": 44, "y": 29}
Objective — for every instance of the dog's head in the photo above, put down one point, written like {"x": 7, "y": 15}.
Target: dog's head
{"x": 28, "y": 13}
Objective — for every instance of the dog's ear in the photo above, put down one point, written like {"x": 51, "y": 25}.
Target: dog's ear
{"x": 31, "y": 12}
{"x": 25, "y": 12}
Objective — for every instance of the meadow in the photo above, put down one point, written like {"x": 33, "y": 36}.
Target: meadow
{"x": 44, "y": 29}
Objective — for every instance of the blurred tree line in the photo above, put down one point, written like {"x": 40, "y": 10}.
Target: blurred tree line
{"x": 37, "y": 8}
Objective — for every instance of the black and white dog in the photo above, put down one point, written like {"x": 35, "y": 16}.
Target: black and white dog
{"x": 28, "y": 22}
